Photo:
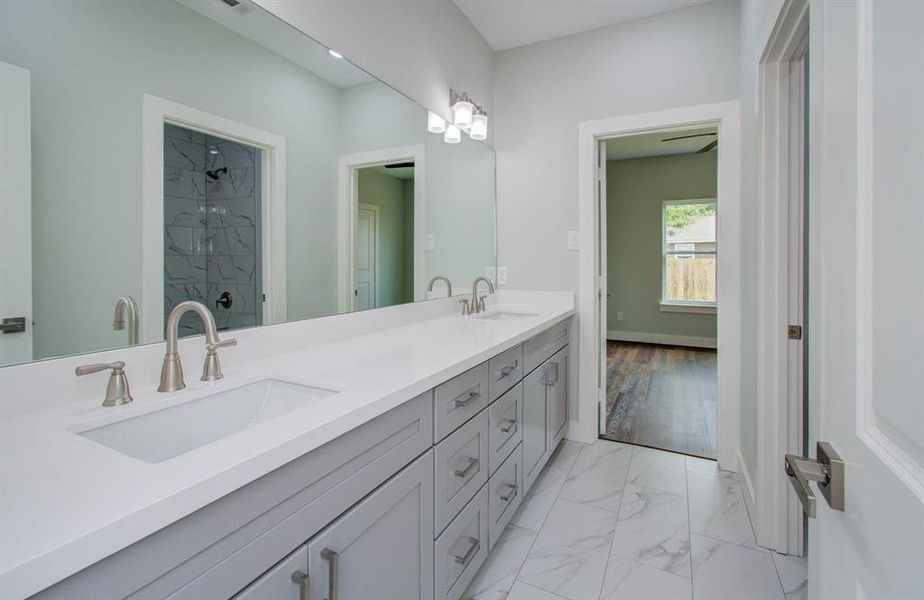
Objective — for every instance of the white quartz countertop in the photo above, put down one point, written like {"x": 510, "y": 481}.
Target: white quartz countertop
{"x": 66, "y": 502}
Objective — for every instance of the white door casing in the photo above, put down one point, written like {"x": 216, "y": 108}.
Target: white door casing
{"x": 15, "y": 210}
{"x": 367, "y": 257}
{"x": 155, "y": 113}
{"x": 602, "y": 291}
{"x": 867, "y": 351}
{"x": 725, "y": 116}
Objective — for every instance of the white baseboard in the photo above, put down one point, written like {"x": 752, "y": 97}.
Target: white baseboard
{"x": 750, "y": 497}
{"x": 662, "y": 338}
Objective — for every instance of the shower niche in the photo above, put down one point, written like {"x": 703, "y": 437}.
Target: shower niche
{"x": 212, "y": 228}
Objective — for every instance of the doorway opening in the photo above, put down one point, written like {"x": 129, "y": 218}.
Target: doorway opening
{"x": 659, "y": 210}
{"x": 383, "y": 251}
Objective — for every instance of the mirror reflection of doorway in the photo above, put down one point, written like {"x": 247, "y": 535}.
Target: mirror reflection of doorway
{"x": 384, "y": 239}
{"x": 212, "y": 228}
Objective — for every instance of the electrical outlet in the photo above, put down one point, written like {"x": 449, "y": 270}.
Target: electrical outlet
{"x": 428, "y": 242}
{"x": 572, "y": 240}
{"x": 490, "y": 273}
{"x": 619, "y": 315}
{"x": 501, "y": 275}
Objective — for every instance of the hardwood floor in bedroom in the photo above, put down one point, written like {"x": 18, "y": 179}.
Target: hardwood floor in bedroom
{"x": 661, "y": 396}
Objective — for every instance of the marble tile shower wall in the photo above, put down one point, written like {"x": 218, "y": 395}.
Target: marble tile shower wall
{"x": 211, "y": 228}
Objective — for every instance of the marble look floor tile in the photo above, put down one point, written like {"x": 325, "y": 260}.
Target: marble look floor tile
{"x": 497, "y": 575}
{"x": 653, "y": 529}
{"x": 524, "y": 591}
{"x": 704, "y": 487}
{"x": 629, "y": 580}
{"x": 793, "y": 576}
{"x": 570, "y": 554}
{"x": 565, "y": 455}
{"x": 659, "y": 470}
{"x": 722, "y": 570}
{"x": 538, "y": 502}
{"x": 599, "y": 475}
{"x": 722, "y": 515}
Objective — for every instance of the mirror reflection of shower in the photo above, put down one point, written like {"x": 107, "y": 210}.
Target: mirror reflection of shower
{"x": 212, "y": 228}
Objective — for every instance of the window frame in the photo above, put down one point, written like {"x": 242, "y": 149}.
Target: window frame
{"x": 685, "y": 306}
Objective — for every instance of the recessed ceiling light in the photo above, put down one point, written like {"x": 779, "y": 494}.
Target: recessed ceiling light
{"x": 334, "y": 53}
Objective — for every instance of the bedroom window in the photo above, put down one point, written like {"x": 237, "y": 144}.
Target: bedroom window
{"x": 689, "y": 256}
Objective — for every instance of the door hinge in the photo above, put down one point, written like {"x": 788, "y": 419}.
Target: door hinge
{"x": 795, "y": 332}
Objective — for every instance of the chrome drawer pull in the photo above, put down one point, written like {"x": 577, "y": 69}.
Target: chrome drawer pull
{"x": 331, "y": 557}
{"x": 474, "y": 547}
{"x": 511, "y": 493}
{"x": 472, "y": 464}
{"x": 506, "y": 371}
{"x": 511, "y": 426}
{"x": 300, "y": 578}
{"x": 472, "y": 396}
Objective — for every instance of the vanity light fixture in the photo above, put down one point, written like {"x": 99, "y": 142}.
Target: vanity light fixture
{"x": 479, "y": 129}
{"x": 462, "y": 109}
{"x": 435, "y": 123}
{"x": 453, "y": 134}
{"x": 334, "y": 53}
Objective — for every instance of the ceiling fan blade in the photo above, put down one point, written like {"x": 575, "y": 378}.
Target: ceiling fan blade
{"x": 708, "y": 147}
{"x": 685, "y": 137}
{"x": 400, "y": 165}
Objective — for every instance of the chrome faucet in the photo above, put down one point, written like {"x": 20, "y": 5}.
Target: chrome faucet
{"x": 171, "y": 374}
{"x": 477, "y": 305}
{"x": 436, "y": 278}
{"x": 126, "y": 309}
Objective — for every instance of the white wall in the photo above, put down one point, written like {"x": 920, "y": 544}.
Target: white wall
{"x": 543, "y": 90}
{"x": 756, "y": 22}
{"x": 420, "y": 48}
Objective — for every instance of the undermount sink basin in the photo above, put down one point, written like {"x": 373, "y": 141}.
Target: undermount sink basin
{"x": 504, "y": 315}
{"x": 163, "y": 434}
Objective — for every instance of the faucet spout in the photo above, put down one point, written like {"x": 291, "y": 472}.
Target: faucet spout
{"x": 126, "y": 309}
{"x": 436, "y": 278}
{"x": 171, "y": 374}
{"x": 478, "y": 303}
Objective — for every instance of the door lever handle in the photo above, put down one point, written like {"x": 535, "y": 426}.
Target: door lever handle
{"x": 827, "y": 469}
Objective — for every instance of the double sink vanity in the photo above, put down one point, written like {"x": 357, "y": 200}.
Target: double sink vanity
{"x": 384, "y": 464}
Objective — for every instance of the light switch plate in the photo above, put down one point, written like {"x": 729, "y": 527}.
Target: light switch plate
{"x": 572, "y": 240}
{"x": 619, "y": 315}
{"x": 501, "y": 275}
{"x": 428, "y": 242}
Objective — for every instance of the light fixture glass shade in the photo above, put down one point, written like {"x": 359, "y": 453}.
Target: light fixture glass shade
{"x": 435, "y": 123}
{"x": 462, "y": 113}
{"x": 479, "y": 130}
{"x": 453, "y": 134}
{"x": 334, "y": 53}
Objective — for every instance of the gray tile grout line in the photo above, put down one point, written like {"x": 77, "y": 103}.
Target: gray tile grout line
{"x": 622, "y": 498}
{"x": 686, "y": 481}
{"x": 754, "y": 533}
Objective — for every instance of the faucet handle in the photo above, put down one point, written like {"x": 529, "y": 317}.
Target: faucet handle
{"x": 117, "y": 392}
{"x": 466, "y": 307}
{"x": 220, "y": 344}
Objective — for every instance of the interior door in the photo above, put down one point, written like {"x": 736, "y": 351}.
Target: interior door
{"x": 867, "y": 354}
{"x": 366, "y": 232}
{"x": 15, "y": 214}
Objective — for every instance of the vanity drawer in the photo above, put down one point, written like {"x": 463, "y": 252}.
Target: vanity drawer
{"x": 462, "y": 548}
{"x": 506, "y": 369}
{"x": 543, "y": 345}
{"x": 505, "y": 417}
{"x": 505, "y": 492}
{"x": 459, "y": 399}
{"x": 461, "y": 469}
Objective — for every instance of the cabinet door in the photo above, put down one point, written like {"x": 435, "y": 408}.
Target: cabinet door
{"x": 282, "y": 582}
{"x": 535, "y": 426}
{"x": 556, "y": 373}
{"x": 382, "y": 548}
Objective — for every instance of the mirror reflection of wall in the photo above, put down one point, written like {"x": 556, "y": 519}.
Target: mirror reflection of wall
{"x": 191, "y": 150}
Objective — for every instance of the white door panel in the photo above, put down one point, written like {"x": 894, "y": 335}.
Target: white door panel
{"x": 366, "y": 257}
{"x": 868, "y": 358}
{"x": 15, "y": 210}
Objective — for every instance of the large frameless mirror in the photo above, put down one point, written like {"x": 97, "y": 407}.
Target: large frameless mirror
{"x": 157, "y": 151}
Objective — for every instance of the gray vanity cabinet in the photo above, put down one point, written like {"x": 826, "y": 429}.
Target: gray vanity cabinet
{"x": 282, "y": 582}
{"x": 557, "y": 383}
{"x": 382, "y": 547}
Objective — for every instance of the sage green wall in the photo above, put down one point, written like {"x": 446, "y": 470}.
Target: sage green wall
{"x": 387, "y": 193}
{"x": 635, "y": 189}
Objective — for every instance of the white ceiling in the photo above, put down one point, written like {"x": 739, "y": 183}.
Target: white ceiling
{"x": 649, "y": 144}
{"x": 255, "y": 23}
{"x": 511, "y": 23}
